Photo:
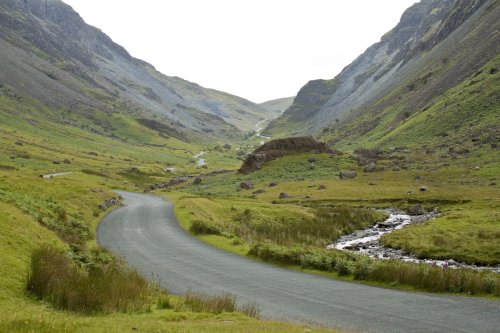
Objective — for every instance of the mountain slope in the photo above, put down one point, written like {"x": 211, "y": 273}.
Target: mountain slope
{"x": 437, "y": 45}
{"x": 49, "y": 54}
{"x": 278, "y": 105}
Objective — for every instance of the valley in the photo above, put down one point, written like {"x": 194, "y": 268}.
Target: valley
{"x": 146, "y": 232}
{"x": 133, "y": 200}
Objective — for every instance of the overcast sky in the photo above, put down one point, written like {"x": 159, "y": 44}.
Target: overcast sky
{"x": 256, "y": 49}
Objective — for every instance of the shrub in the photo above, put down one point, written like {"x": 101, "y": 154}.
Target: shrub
{"x": 420, "y": 276}
{"x": 343, "y": 267}
{"x": 109, "y": 288}
{"x": 362, "y": 269}
{"x": 163, "y": 301}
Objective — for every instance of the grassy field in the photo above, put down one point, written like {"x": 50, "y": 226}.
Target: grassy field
{"x": 37, "y": 212}
{"x": 462, "y": 116}
{"x": 249, "y": 221}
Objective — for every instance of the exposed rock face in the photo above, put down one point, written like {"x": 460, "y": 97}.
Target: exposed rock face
{"x": 390, "y": 62}
{"x": 277, "y": 148}
{"x": 49, "y": 53}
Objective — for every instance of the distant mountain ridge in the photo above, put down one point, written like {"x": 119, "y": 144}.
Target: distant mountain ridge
{"x": 436, "y": 45}
{"x": 48, "y": 53}
{"x": 278, "y": 105}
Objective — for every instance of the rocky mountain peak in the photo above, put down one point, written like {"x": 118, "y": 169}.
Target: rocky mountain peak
{"x": 422, "y": 27}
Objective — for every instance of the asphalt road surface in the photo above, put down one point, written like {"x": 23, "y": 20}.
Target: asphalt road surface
{"x": 147, "y": 234}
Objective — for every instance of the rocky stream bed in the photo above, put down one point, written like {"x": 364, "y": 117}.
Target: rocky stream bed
{"x": 367, "y": 241}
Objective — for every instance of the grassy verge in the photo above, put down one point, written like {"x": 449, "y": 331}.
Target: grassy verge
{"x": 103, "y": 285}
{"x": 22, "y": 235}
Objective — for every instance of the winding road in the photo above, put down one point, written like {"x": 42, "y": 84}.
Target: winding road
{"x": 147, "y": 234}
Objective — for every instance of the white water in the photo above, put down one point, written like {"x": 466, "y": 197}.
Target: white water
{"x": 259, "y": 127}
{"x": 374, "y": 233}
{"x": 52, "y": 175}
{"x": 367, "y": 242}
{"x": 201, "y": 161}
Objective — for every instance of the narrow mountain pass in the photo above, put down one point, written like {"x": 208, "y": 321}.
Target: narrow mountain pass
{"x": 147, "y": 234}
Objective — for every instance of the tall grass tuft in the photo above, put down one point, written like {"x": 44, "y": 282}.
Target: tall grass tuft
{"x": 109, "y": 288}
{"x": 200, "y": 302}
{"x": 419, "y": 276}
{"x": 218, "y": 303}
{"x": 328, "y": 224}
{"x": 436, "y": 279}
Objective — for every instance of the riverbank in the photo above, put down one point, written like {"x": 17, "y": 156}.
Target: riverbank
{"x": 367, "y": 242}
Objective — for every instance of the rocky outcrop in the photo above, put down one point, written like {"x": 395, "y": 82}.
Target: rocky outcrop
{"x": 109, "y": 203}
{"x": 277, "y": 148}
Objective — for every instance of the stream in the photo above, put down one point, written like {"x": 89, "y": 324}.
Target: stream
{"x": 259, "y": 129}
{"x": 201, "y": 161}
{"x": 367, "y": 241}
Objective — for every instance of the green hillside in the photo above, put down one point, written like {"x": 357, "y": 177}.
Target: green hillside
{"x": 57, "y": 212}
{"x": 464, "y": 117}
